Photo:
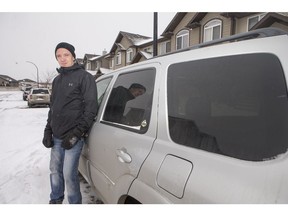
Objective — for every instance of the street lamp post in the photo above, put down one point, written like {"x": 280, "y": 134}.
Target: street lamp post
{"x": 37, "y": 71}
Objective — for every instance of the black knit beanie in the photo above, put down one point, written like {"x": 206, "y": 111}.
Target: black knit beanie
{"x": 66, "y": 46}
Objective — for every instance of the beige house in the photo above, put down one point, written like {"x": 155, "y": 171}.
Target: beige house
{"x": 185, "y": 30}
{"x": 188, "y": 29}
{"x": 124, "y": 49}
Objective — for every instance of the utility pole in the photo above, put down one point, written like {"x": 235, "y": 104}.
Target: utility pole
{"x": 155, "y": 34}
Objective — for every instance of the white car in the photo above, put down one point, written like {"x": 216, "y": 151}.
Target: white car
{"x": 38, "y": 97}
{"x": 211, "y": 126}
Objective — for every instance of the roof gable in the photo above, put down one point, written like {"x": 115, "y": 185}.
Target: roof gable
{"x": 269, "y": 19}
{"x": 89, "y": 56}
{"x": 139, "y": 55}
{"x": 7, "y": 78}
{"x": 134, "y": 39}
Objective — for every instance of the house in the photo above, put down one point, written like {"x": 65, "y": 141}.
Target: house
{"x": 186, "y": 29}
{"x": 125, "y": 48}
{"x": 7, "y": 81}
{"x": 88, "y": 62}
{"x": 26, "y": 82}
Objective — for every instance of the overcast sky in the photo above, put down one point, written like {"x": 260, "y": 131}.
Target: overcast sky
{"x": 33, "y": 36}
{"x": 29, "y": 31}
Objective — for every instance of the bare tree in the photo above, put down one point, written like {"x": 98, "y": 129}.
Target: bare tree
{"x": 48, "y": 77}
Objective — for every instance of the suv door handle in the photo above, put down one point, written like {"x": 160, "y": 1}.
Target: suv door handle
{"x": 123, "y": 156}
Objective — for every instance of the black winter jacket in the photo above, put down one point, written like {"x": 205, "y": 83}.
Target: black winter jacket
{"x": 73, "y": 101}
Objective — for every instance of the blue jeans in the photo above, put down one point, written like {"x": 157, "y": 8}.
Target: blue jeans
{"x": 64, "y": 169}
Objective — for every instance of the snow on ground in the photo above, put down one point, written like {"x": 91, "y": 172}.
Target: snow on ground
{"x": 24, "y": 172}
{"x": 24, "y": 161}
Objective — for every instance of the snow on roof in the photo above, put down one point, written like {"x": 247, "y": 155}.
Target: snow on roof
{"x": 146, "y": 55}
{"x": 142, "y": 41}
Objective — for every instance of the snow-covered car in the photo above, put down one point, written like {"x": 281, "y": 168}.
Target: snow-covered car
{"x": 38, "y": 96}
{"x": 210, "y": 128}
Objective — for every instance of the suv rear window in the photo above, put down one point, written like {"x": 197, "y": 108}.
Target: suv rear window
{"x": 235, "y": 106}
{"x": 40, "y": 91}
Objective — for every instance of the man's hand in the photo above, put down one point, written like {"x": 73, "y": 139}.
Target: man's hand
{"x": 69, "y": 141}
{"x": 48, "y": 139}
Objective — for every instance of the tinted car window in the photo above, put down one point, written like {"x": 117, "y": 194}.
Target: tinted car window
{"x": 236, "y": 106}
{"x": 40, "y": 91}
{"x": 130, "y": 100}
{"x": 101, "y": 89}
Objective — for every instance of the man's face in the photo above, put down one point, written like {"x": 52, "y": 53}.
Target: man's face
{"x": 64, "y": 57}
{"x": 137, "y": 92}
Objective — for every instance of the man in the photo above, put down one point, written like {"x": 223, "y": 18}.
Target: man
{"x": 118, "y": 99}
{"x": 72, "y": 110}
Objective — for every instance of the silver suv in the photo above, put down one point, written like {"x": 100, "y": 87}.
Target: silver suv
{"x": 209, "y": 126}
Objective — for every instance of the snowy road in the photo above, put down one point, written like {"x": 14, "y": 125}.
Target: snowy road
{"x": 24, "y": 161}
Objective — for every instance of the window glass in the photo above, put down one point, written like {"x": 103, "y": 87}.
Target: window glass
{"x": 235, "y": 106}
{"x": 129, "y": 56}
{"x": 118, "y": 58}
{"x": 40, "y": 91}
{"x": 182, "y": 39}
{"x": 101, "y": 89}
{"x": 165, "y": 47}
{"x": 212, "y": 30}
{"x": 129, "y": 104}
{"x": 253, "y": 20}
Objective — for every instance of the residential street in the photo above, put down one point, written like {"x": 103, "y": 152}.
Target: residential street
{"x": 24, "y": 170}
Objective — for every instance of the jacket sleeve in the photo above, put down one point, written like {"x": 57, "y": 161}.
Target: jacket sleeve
{"x": 48, "y": 125}
{"x": 89, "y": 92}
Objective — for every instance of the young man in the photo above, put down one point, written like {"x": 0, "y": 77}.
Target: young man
{"x": 72, "y": 110}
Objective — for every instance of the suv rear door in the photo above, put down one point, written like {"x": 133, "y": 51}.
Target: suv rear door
{"x": 223, "y": 137}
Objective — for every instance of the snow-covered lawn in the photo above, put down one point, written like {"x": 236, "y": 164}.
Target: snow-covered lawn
{"x": 24, "y": 161}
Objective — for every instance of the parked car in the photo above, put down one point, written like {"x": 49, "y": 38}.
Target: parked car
{"x": 211, "y": 126}
{"x": 26, "y": 91}
{"x": 38, "y": 96}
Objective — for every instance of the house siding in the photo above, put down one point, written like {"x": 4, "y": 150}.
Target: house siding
{"x": 180, "y": 27}
{"x": 230, "y": 25}
{"x": 281, "y": 26}
{"x": 226, "y": 24}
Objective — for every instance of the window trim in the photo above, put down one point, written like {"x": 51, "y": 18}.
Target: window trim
{"x": 259, "y": 16}
{"x": 129, "y": 55}
{"x": 182, "y": 34}
{"x": 163, "y": 47}
{"x": 118, "y": 58}
{"x": 136, "y": 129}
{"x": 209, "y": 26}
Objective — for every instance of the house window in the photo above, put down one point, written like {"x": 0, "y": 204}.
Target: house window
{"x": 88, "y": 65}
{"x": 212, "y": 30}
{"x": 129, "y": 55}
{"x": 182, "y": 39}
{"x": 165, "y": 47}
{"x": 118, "y": 58}
{"x": 112, "y": 63}
{"x": 253, "y": 20}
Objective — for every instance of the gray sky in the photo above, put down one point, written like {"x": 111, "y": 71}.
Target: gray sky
{"x": 31, "y": 29}
{"x": 33, "y": 36}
